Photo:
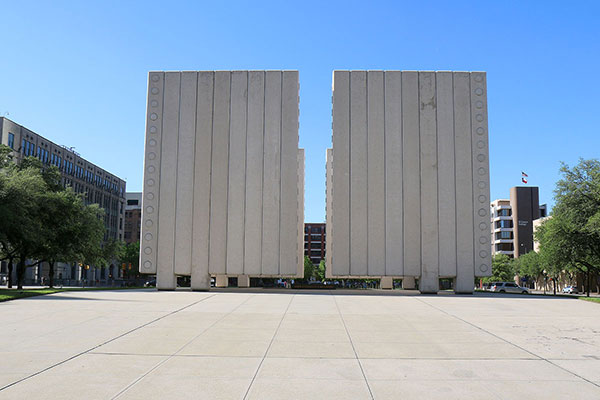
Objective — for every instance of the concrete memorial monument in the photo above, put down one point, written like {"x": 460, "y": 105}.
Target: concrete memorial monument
{"x": 408, "y": 178}
{"x": 223, "y": 177}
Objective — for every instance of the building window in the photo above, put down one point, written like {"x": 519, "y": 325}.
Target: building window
{"x": 11, "y": 140}
{"x": 504, "y": 213}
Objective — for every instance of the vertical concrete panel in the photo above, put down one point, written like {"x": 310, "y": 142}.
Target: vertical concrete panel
{"x": 168, "y": 178}
{"x": 340, "y": 182}
{"x": 271, "y": 173}
{"x": 219, "y": 171}
{"x": 236, "y": 196}
{"x": 429, "y": 281}
{"x": 289, "y": 175}
{"x": 202, "y": 165}
{"x": 254, "y": 173}
{"x": 185, "y": 174}
{"x": 300, "y": 221}
{"x": 150, "y": 204}
{"x": 375, "y": 174}
{"x": 464, "y": 181}
{"x": 358, "y": 173}
{"x": 394, "y": 243}
{"x": 411, "y": 182}
{"x": 481, "y": 177}
{"x": 446, "y": 183}
{"x": 328, "y": 212}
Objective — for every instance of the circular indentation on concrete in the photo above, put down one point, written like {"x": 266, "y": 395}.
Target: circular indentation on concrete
{"x": 482, "y": 199}
{"x": 151, "y": 169}
{"x": 479, "y": 131}
{"x": 150, "y": 196}
{"x": 149, "y": 223}
{"x": 154, "y": 103}
{"x": 147, "y": 250}
{"x": 483, "y": 254}
{"x": 154, "y": 116}
{"x": 154, "y": 90}
{"x": 150, "y": 182}
{"x": 148, "y": 236}
{"x": 480, "y": 158}
{"x": 482, "y": 212}
{"x": 479, "y": 117}
{"x": 483, "y": 239}
{"x": 483, "y": 226}
{"x": 481, "y": 171}
{"x": 479, "y": 104}
{"x": 479, "y": 91}
{"x": 152, "y": 142}
{"x": 151, "y": 156}
{"x": 483, "y": 268}
{"x": 147, "y": 265}
{"x": 155, "y": 78}
{"x": 149, "y": 209}
{"x": 478, "y": 78}
{"x": 481, "y": 185}
{"x": 152, "y": 129}
{"x": 480, "y": 144}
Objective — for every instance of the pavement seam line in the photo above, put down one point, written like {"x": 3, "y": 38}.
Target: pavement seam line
{"x": 511, "y": 343}
{"x": 268, "y": 348}
{"x": 170, "y": 356}
{"x": 353, "y": 348}
{"x": 102, "y": 344}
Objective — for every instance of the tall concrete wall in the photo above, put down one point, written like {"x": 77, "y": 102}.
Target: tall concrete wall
{"x": 408, "y": 177}
{"x": 223, "y": 176}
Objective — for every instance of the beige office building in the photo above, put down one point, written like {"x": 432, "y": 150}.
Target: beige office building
{"x": 223, "y": 177}
{"x": 408, "y": 178}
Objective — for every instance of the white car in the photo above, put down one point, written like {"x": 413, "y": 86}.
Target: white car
{"x": 570, "y": 289}
{"x": 508, "y": 287}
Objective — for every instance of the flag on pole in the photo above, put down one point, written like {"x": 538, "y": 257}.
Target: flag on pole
{"x": 524, "y": 177}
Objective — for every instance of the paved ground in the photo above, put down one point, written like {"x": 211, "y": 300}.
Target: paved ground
{"x": 296, "y": 345}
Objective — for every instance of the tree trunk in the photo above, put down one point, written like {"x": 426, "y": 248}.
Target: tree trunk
{"x": 20, "y": 272}
{"x": 51, "y": 274}
{"x": 10, "y": 273}
{"x": 554, "y": 281}
{"x": 588, "y": 282}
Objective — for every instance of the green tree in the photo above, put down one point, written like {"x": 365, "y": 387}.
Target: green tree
{"x": 320, "y": 271}
{"x": 571, "y": 238}
{"x": 130, "y": 256}
{"x": 529, "y": 265}
{"x": 503, "y": 269}
{"x": 309, "y": 268}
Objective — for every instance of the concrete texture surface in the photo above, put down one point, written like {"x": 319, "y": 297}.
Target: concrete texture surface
{"x": 283, "y": 344}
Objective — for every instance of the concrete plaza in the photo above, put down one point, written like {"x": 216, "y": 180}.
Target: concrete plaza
{"x": 276, "y": 344}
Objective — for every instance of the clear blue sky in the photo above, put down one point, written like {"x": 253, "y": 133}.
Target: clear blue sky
{"x": 76, "y": 72}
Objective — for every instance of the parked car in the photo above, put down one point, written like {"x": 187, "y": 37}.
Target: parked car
{"x": 570, "y": 289}
{"x": 508, "y": 287}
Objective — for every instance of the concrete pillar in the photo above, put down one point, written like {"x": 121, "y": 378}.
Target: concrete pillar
{"x": 408, "y": 283}
{"x": 200, "y": 282}
{"x": 243, "y": 281}
{"x": 387, "y": 282}
{"x": 221, "y": 281}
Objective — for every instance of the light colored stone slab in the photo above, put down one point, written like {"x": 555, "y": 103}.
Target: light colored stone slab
{"x": 243, "y": 281}
{"x": 446, "y": 180}
{"x": 254, "y": 173}
{"x": 411, "y": 188}
{"x": 236, "y": 193}
{"x": 200, "y": 279}
{"x": 387, "y": 282}
{"x": 168, "y": 177}
{"x": 217, "y": 257}
{"x": 394, "y": 242}
{"x": 308, "y": 389}
{"x": 185, "y": 174}
{"x": 358, "y": 174}
{"x": 272, "y": 174}
{"x": 300, "y": 220}
{"x": 221, "y": 281}
{"x": 328, "y": 212}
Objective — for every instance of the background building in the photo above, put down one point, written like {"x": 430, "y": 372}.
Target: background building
{"x": 133, "y": 217}
{"x": 314, "y": 241}
{"x": 98, "y": 186}
{"x": 512, "y": 221}
{"x": 408, "y": 183}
